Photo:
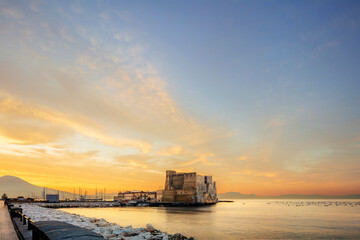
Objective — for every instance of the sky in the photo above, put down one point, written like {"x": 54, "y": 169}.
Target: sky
{"x": 262, "y": 95}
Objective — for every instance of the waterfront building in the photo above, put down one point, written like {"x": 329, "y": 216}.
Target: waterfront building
{"x": 137, "y": 195}
{"x": 159, "y": 195}
{"x": 20, "y": 198}
{"x": 52, "y": 198}
{"x": 188, "y": 187}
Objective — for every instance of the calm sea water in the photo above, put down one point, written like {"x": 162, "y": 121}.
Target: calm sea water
{"x": 242, "y": 219}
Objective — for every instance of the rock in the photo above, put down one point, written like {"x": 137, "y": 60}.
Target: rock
{"x": 106, "y": 230}
{"x": 135, "y": 238}
{"x": 150, "y": 228}
{"x": 118, "y": 232}
{"x": 103, "y": 224}
{"x": 115, "y": 227}
{"x": 157, "y": 234}
{"x": 177, "y": 236}
{"x": 145, "y": 234}
{"x": 156, "y": 238}
{"x": 38, "y": 212}
{"x": 109, "y": 235}
{"x": 140, "y": 229}
{"x": 130, "y": 234}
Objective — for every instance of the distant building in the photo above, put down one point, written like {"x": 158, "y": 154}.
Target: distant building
{"x": 136, "y": 195}
{"x": 52, "y": 198}
{"x": 159, "y": 195}
{"x": 20, "y": 198}
{"x": 188, "y": 187}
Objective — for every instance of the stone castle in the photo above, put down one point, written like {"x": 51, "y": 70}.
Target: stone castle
{"x": 188, "y": 187}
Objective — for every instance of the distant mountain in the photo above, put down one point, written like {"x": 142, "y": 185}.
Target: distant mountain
{"x": 14, "y": 187}
{"x": 237, "y": 195}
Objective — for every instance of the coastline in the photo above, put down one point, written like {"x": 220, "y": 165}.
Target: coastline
{"x": 111, "y": 231}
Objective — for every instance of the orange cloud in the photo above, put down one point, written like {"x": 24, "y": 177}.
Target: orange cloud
{"x": 9, "y": 105}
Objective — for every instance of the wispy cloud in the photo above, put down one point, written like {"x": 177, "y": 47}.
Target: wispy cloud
{"x": 85, "y": 127}
{"x": 35, "y": 5}
{"x": 12, "y": 13}
{"x": 123, "y": 37}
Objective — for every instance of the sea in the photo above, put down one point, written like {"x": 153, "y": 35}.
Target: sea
{"x": 244, "y": 219}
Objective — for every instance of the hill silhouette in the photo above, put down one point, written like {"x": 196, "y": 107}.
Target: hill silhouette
{"x": 15, "y": 186}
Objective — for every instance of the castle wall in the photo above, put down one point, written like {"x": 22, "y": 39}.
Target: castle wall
{"x": 169, "y": 196}
{"x": 206, "y": 189}
{"x": 160, "y": 195}
{"x": 189, "y": 181}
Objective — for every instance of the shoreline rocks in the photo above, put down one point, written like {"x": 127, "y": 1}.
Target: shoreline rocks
{"x": 79, "y": 204}
{"x": 111, "y": 231}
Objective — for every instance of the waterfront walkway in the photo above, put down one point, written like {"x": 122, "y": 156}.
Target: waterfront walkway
{"x": 7, "y": 231}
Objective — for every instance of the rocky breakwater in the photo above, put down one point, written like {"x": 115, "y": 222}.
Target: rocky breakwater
{"x": 108, "y": 230}
{"x": 78, "y": 204}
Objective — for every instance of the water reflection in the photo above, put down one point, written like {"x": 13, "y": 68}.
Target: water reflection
{"x": 189, "y": 210}
{"x": 251, "y": 219}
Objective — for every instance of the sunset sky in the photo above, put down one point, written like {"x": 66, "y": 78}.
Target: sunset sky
{"x": 262, "y": 95}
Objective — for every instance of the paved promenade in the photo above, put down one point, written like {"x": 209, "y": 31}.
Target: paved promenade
{"x": 7, "y": 231}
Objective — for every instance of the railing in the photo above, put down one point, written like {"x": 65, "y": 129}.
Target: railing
{"x": 40, "y": 230}
{"x": 24, "y": 219}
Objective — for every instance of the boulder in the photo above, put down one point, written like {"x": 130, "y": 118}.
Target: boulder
{"x": 118, "y": 232}
{"x": 130, "y": 234}
{"x": 102, "y": 224}
{"x": 109, "y": 235}
{"x": 146, "y": 235}
{"x": 150, "y": 228}
{"x": 105, "y": 230}
{"x": 115, "y": 227}
{"x": 177, "y": 236}
{"x": 141, "y": 229}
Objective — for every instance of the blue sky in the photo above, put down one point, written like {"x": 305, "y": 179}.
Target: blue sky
{"x": 261, "y": 94}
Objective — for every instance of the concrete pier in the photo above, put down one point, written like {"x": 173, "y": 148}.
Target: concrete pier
{"x": 7, "y": 231}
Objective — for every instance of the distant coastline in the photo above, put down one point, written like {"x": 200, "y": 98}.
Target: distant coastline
{"x": 14, "y": 187}
{"x": 237, "y": 195}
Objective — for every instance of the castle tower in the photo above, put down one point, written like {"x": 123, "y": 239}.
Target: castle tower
{"x": 167, "y": 179}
